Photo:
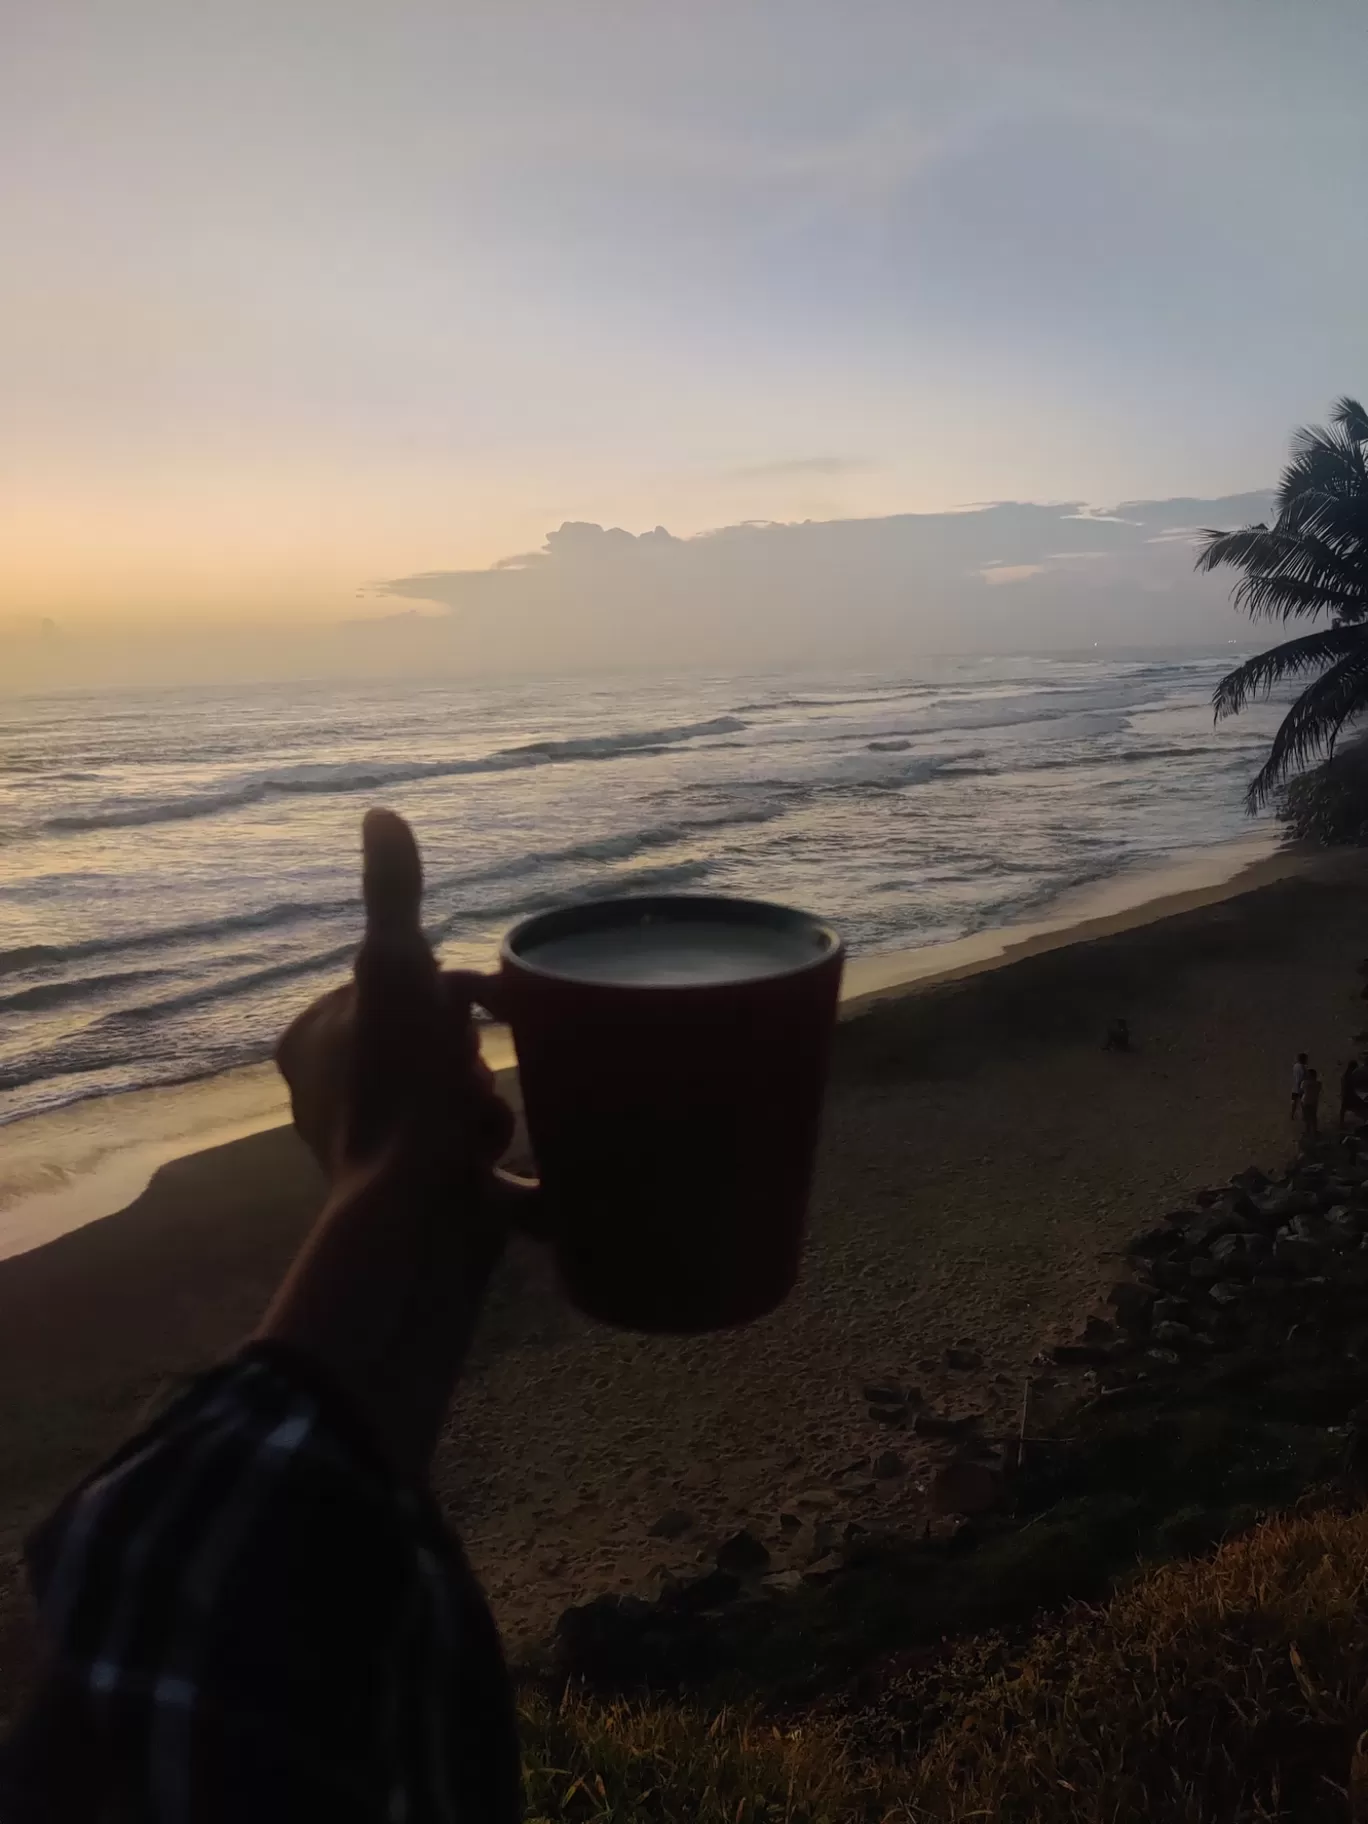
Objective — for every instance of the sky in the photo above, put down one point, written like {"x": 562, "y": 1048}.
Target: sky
{"x": 301, "y": 302}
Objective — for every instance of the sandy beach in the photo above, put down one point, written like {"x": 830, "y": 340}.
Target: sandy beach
{"x": 982, "y": 1161}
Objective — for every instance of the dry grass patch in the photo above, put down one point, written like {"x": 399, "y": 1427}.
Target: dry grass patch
{"x": 1230, "y": 1690}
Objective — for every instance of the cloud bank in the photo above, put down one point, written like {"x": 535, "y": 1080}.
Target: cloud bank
{"x": 1009, "y": 575}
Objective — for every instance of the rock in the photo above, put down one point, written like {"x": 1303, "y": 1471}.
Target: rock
{"x": 888, "y": 1463}
{"x": 1149, "y": 1243}
{"x": 1163, "y": 1358}
{"x": 963, "y": 1357}
{"x": 888, "y": 1415}
{"x": 710, "y": 1591}
{"x": 789, "y": 1523}
{"x": 882, "y": 1393}
{"x": 1278, "y": 1206}
{"x": 783, "y": 1583}
{"x": 1212, "y": 1223}
{"x": 1251, "y": 1179}
{"x": 1205, "y": 1199}
{"x": 672, "y": 1524}
{"x": 1099, "y": 1330}
{"x": 824, "y": 1569}
{"x": 1132, "y": 1305}
{"x": 1228, "y": 1250}
{"x": 1227, "y": 1292}
{"x": 1311, "y": 1226}
{"x": 1202, "y": 1272}
{"x": 824, "y": 1537}
{"x": 937, "y": 1425}
{"x": 1343, "y": 1226}
{"x": 965, "y": 1488}
{"x": 1080, "y": 1355}
{"x": 1172, "y": 1275}
{"x": 815, "y": 1498}
{"x": 743, "y": 1555}
{"x": 1170, "y": 1310}
{"x": 1295, "y": 1251}
{"x": 1172, "y": 1336}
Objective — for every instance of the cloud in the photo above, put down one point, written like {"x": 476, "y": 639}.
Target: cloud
{"x": 1010, "y": 573}
{"x": 806, "y": 465}
{"x": 843, "y": 589}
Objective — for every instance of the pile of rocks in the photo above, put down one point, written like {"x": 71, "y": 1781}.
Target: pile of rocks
{"x": 1255, "y": 1264}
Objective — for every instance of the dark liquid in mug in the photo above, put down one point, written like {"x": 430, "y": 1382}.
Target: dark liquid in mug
{"x": 666, "y": 953}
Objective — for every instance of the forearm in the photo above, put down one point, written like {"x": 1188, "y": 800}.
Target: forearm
{"x": 384, "y": 1296}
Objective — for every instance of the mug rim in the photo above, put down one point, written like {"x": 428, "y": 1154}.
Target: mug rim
{"x": 630, "y": 908}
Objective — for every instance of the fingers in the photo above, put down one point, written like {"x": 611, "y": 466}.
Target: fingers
{"x": 521, "y": 1204}
{"x": 467, "y": 988}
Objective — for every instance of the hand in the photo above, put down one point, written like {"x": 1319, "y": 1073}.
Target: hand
{"x": 390, "y": 1064}
{"x": 389, "y": 1090}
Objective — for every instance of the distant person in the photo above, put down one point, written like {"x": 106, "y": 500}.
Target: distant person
{"x": 1298, "y": 1082}
{"x": 1351, "y": 1102}
{"x": 1310, "y": 1103}
{"x": 253, "y": 1613}
{"x": 1118, "y": 1036}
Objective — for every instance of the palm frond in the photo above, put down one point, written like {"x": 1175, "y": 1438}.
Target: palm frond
{"x": 1287, "y": 573}
{"x": 1312, "y": 725}
{"x": 1324, "y": 488}
{"x": 1293, "y": 659}
{"x": 1351, "y": 417}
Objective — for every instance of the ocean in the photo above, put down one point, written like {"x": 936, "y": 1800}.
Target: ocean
{"x": 178, "y": 867}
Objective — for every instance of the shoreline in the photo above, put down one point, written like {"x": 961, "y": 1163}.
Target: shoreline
{"x": 63, "y": 1169}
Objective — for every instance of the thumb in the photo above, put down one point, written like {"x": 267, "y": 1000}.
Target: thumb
{"x": 398, "y": 1009}
{"x": 391, "y": 877}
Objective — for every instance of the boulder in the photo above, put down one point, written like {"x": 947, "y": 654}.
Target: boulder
{"x": 1132, "y": 1305}
{"x": 1251, "y": 1179}
{"x": 1081, "y": 1355}
{"x": 888, "y": 1415}
{"x": 1343, "y": 1226}
{"x": 1217, "y": 1221}
{"x": 882, "y": 1393}
{"x": 672, "y": 1524}
{"x": 1172, "y": 1274}
{"x": 1295, "y": 1251}
{"x": 743, "y": 1555}
{"x": 888, "y": 1463}
{"x": 1228, "y": 1292}
{"x": 824, "y": 1569}
{"x": 964, "y": 1357}
{"x": 1149, "y": 1242}
{"x": 937, "y": 1425}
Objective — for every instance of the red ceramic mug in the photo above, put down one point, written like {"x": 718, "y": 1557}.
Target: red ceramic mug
{"x": 673, "y": 1057}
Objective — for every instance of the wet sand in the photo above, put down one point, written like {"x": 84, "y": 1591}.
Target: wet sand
{"x": 982, "y": 1161}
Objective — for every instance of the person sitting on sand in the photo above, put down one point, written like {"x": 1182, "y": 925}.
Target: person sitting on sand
{"x": 253, "y": 1611}
{"x": 1298, "y": 1081}
{"x": 1310, "y": 1103}
{"x": 1118, "y": 1036}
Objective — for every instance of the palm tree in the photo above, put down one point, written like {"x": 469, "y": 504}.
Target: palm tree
{"x": 1312, "y": 560}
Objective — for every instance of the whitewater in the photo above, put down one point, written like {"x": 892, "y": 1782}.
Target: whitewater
{"x": 178, "y": 868}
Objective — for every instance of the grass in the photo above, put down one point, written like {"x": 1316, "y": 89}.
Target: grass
{"x": 608, "y": 1764}
{"x": 1226, "y": 1690}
